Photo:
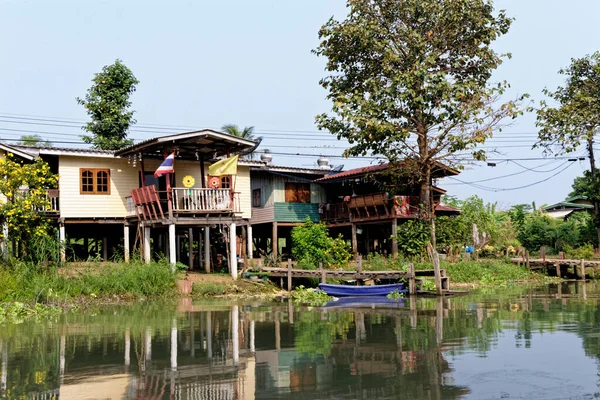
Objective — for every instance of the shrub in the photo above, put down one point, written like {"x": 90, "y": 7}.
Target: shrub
{"x": 209, "y": 289}
{"x": 311, "y": 245}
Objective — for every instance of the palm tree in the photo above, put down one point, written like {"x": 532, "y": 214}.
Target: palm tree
{"x": 246, "y": 133}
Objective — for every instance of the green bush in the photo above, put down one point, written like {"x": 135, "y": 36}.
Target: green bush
{"x": 209, "y": 289}
{"x": 585, "y": 252}
{"x": 311, "y": 245}
{"x": 486, "y": 272}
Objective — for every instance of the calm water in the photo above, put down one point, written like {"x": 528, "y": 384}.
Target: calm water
{"x": 509, "y": 343}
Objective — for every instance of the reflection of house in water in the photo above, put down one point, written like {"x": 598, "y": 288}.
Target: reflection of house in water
{"x": 246, "y": 353}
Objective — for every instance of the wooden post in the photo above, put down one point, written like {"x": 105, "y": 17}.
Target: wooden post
{"x": 437, "y": 273}
{"x": 557, "y": 266}
{"x": 207, "y": 249}
{"x": 323, "y": 273}
{"x": 543, "y": 253}
{"x": 358, "y": 270}
{"x": 527, "y": 258}
{"x": 575, "y": 272}
{"x": 104, "y": 249}
{"x": 275, "y": 243}
{"x": 394, "y": 238}
{"x": 412, "y": 284}
{"x": 582, "y": 269}
{"x": 289, "y": 274}
{"x": 63, "y": 243}
{"x": 191, "y": 248}
{"x": 354, "y": 241}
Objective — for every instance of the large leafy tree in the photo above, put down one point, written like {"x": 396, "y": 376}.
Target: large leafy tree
{"x": 573, "y": 119}
{"x": 583, "y": 185}
{"x": 246, "y": 133}
{"x": 107, "y": 103}
{"x": 410, "y": 80}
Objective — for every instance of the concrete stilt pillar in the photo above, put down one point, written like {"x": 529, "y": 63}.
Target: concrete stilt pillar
{"x": 174, "y": 345}
{"x": 250, "y": 250}
{"x": 147, "y": 244}
{"x": 235, "y": 319}
{"x": 62, "y": 239}
{"x": 232, "y": 251}
{"x": 104, "y": 249}
{"x": 191, "y": 248}
{"x": 126, "y": 246}
{"x": 207, "y": 249}
{"x": 172, "y": 250}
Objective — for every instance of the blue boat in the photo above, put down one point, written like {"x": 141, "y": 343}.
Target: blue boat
{"x": 347, "y": 290}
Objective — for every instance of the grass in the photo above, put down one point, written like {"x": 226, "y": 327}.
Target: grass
{"x": 208, "y": 289}
{"x": 24, "y": 282}
{"x": 486, "y": 272}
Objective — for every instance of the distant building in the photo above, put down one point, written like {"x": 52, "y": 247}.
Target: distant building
{"x": 566, "y": 208}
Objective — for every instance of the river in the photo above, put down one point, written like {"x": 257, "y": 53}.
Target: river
{"x": 509, "y": 343}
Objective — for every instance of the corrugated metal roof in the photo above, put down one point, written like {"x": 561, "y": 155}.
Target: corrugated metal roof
{"x": 357, "y": 172}
{"x": 445, "y": 208}
{"x": 35, "y": 150}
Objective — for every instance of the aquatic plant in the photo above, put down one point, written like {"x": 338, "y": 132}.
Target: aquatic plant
{"x": 310, "y": 297}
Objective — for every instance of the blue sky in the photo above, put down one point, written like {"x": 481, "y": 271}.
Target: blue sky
{"x": 207, "y": 63}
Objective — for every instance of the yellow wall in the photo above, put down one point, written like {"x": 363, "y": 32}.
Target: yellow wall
{"x": 124, "y": 178}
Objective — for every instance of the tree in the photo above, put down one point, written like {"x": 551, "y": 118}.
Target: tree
{"x": 409, "y": 80}
{"x": 246, "y": 133}
{"x": 24, "y": 187}
{"x": 575, "y": 118}
{"x": 34, "y": 140}
{"x": 582, "y": 185}
{"x": 107, "y": 103}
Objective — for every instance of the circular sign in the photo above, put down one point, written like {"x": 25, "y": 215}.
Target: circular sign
{"x": 214, "y": 182}
{"x": 188, "y": 181}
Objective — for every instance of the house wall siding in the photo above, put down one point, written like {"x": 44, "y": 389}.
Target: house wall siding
{"x": 296, "y": 212}
{"x": 123, "y": 179}
{"x": 262, "y": 215}
{"x": 73, "y": 204}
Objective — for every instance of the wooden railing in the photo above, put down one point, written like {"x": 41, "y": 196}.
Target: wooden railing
{"x": 52, "y": 195}
{"x": 370, "y": 207}
{"x": 334, "y": 212}
{"x": 202, "y": 200}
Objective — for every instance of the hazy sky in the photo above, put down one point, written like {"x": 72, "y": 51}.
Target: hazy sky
{"x": 249, "y": 62}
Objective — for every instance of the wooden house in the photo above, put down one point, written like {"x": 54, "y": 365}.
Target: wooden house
{"x": 358, "y": 207}
{"x": 108, "y": 199}
{"x": 283, "y": 197}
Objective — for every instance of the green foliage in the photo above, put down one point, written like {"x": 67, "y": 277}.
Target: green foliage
{"x": 272, "y": 261}
{"x": 209, "y": 289}
{"x": 517, "y": 214}
{"x": 309, "y": 297}
{"x": 585, "y": 252}
{"x": 107, "y": 103}
{"x": 413, "y": 237}
{"x": 246, "y": 133}
{"x": 34, "y": 140}
{"x": 428, "y": 284}
{"x": 24, "y": 281}
{"x": 395, "y": 295}
{"x": 379, "y": 262}
{"x": 311, "y": 245}
{"x": 410, "y": 80}
{"x": 486, "y": 272}
{"x": 25, "y": 187}
{"x": 17, "y": 312}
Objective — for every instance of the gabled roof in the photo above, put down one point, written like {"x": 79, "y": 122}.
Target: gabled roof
{"x": 564, "y": 205}
{"x": 443, "y": 208}
{"x": 207, "y": 142}
{"x": 17, "y": 151}
{"x": 361, "y": 171}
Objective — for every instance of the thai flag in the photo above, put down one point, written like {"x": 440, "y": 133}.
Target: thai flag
{"x": 166, "y": 167}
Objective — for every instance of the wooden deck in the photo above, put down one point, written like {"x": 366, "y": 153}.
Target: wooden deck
{"x": 559, "y": 267}
{"x": 360, "y": 276}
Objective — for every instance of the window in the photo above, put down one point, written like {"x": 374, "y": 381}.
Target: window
{"x": 256, "y": 198}
{"x": 226, "y": 182}
{"x": 95, "y": 181}
{"x": 297, "y": 192}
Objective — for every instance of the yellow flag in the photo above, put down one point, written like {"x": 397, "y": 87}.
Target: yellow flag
{"x": 227, "y": 166}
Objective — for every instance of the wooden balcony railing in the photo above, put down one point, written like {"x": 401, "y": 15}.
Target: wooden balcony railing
{"x": 370, "y": 207}
{"x": 205, "y": 200}
{"x": 150, "y": 204}
{"x": 52, "y": 195}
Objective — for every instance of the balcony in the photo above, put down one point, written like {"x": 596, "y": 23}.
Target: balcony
{"x": 151, "y": 204}
{"x": 52, "y": 195}
{"x": 370, "y": 207}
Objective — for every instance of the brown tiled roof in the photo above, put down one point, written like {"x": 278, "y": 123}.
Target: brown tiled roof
{"x": 357, "y": 172}
{"x": 444, "y": 208}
